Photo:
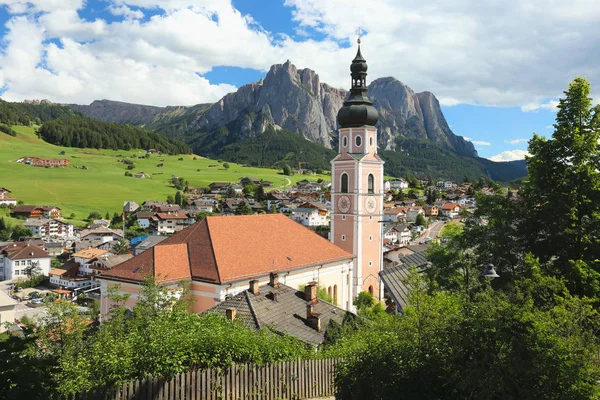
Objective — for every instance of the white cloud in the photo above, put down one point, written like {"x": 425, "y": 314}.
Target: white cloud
{"x": 516, "y": 141}
{"x": 126, "y": 12}
{"x": 480, "y": 143}
{"x": 510, "y": 155}
{"x": 487, "y": 53}
{"x": 550, "y": 105}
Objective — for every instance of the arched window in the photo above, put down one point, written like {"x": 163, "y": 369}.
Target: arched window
{"x": 344, "y": 183}
{"x": 358, "y": 141}
{"x": 371, "y": 183}
{"x": 329, "y": 291}
{"x": 344, "y": 141}
{"x": 335, "y": 294}
{"x": 371, "y": 289}
{"x": 371, "y": 141}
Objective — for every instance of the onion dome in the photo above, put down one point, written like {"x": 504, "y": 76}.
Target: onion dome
{"x": 358, "y": 110}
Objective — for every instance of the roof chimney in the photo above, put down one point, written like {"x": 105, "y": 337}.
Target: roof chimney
{"x": 254, "y": 287}
{"x": 312, "y": 318}
{"x": 310, "y": 292}
{"x": 274, "y": 280}
{"x": 230, "y": 313}
{"x": 274, "y": 297}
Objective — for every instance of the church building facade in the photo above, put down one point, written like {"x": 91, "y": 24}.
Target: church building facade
{"x": 357, "y": 184}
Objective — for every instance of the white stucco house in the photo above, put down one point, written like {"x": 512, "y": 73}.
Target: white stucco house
{"x": 15, "y": 258}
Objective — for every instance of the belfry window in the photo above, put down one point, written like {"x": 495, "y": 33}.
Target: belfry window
{"x": 371, "y": 183}
{"x": 344, "y": 183}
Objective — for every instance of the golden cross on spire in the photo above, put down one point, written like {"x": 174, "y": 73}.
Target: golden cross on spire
{"x": 358, "y": 33}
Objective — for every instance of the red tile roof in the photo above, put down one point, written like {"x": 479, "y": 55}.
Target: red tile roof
{"x": 23, "y": 251}
{"x": 226, "y": 249}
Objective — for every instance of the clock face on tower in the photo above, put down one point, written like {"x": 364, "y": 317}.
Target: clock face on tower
{"x": 344, "y": 204}
{"x": 370, "y": 204}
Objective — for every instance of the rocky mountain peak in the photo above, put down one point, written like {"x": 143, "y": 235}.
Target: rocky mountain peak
{"x": 297, "y": 100}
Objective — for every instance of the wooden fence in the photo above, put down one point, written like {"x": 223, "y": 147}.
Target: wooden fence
{"x": 301, "y": 379}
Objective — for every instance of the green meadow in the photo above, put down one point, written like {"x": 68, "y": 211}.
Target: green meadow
{"x": 103, "y": 186}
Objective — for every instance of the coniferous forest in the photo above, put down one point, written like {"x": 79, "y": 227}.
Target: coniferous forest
{"x": 79, "y": 131}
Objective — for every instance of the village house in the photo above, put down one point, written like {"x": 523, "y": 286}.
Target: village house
{"x": 282, "y": 308}
{"x": 152, "y": 205}
{"x": 202, "y": 205}
{"x": 431, "y": 210}
{"x": 404, "y": 234}
{"x": 130, "y": 207}
{"x": 217, "y": 266}
{"x": 17, "y": 257}
{"x": 144, "y": 218}
{"x": 310, "y": 216}
{"x": 50, "y": 211}
{"x": 413, "y": 212}
{"x": 49, "y": 229}
{"x": 169, "y": 222}
{"x": 398, "y": 184}
{"x": 5, "y": 197}
{"x": 55, "y": 249}
{"x": 27, "y": 211}
{"x": 396, "y": 214}
{"x": 141, "y": 175}
{"x": 86, "y": 258}
{"x": 219, "y": 187}
{"x": 249, "y": 180}
{"x": 101, "y": 233}
{"x": 68, "y": 277}
{"x": 305, "y": 186}
{"x": 450, "y": 210}
{"x": 45, "y": 162}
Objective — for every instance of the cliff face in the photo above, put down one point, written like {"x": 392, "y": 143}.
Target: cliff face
{"x": 297, "y": 100}
{"x": 405, "y": 113}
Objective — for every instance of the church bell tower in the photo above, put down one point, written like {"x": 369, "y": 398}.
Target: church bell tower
{"x": 357, "y": 184}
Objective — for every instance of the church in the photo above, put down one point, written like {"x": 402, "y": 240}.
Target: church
{"x": 223, "y": 256}
{"x": 357, "y": 184}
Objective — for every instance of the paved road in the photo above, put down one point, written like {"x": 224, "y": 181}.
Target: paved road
{"x": 433, "y": 231}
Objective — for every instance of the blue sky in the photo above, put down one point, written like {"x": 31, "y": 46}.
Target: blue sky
{"x": 497, "y": 68}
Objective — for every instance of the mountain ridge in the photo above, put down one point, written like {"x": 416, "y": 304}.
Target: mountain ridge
{"x": 297, "y": 100}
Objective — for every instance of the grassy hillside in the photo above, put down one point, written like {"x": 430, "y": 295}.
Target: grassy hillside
{"x": 103, "y": 187}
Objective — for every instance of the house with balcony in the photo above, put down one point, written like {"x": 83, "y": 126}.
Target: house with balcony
{"x": 49, "y": 229}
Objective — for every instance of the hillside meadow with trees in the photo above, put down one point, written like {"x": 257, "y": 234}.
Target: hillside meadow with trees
{"x": 531, "y": 333}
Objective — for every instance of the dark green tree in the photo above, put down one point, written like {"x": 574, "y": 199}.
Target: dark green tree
{"x": 243, "y": 209}
{"x": 420, "y": 221}
{"x": 562, "y": 192}
{"x": 287, "y": 170}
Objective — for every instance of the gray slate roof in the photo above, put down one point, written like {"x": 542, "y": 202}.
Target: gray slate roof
{"x": 393, "y": 279}
{"x": 416, "y": 259}
{"x": 286, "y": 316}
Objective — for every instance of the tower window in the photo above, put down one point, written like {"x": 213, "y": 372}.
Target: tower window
{"x": 370, "y": 238}
{"x": 358, "y": 141}
{"x": 371, "y": 289}
{"x": 343, "y": 237}
{"x": 344, "y": 183}
{"x": 344, "y": 217}
{"x": 344, "y": 141}
{"x": 371, "y": 183}
{"x": 371, "y": 141}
